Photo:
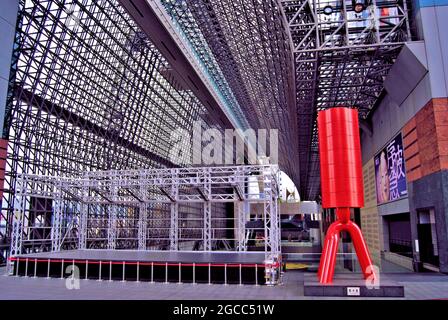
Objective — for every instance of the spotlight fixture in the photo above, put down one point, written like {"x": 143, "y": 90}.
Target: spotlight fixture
{"x": 328, "y": 10}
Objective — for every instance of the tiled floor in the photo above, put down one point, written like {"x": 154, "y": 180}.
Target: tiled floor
{"x": 417, "y": 286}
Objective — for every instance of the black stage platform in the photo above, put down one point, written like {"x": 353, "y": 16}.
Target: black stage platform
{"x": 351, "y": 285}
{"x": 156, "y": 266}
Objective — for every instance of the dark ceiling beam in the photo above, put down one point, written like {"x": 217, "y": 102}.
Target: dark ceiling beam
{"x": 98, "y": 192}
{"x": 167, "y": 194}
{"x": 203, "y": 195}
{"x": 133, "y": 195}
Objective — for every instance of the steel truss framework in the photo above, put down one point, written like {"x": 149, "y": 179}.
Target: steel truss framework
{"x": 341, "y": 58}
{"x": 247, "y": 43}
{"x": 120, "y": 205}
{"x": 89, "y": 91}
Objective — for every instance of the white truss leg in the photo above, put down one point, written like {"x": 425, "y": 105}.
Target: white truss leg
{"x": 83, "y": 217}
{"x": 207, "y": 226}
{"x": 112, "y": 221}
{"x": 241, "y": 230}
{"x": 174, "y": 217}
{"x": 82, "y": 242}
{"x": 207, "y": 234}
{"x": 268, "y": 235}
{"x": 58, "y": 215}
{"x": 142, "y": 226}
{"x": 174, "y": 227}
{"x": 18, "y": 218}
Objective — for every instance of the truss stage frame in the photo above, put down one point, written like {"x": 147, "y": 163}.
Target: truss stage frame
{"x": 116, "y": 197}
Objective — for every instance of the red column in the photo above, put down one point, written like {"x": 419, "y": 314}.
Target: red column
{"x": 341, "y": 184}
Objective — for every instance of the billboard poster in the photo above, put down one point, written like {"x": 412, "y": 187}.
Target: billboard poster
{"x": 390, "y": 173}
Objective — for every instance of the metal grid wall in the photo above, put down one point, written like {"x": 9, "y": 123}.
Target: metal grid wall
{"x": 90, "y": 92}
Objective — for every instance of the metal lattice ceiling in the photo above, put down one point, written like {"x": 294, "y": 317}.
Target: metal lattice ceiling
{"x": 340, "y": 58}
{"x": 252, "y": 49}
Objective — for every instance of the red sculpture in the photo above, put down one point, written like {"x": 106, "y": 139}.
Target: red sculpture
{"x": 342, "y": 185}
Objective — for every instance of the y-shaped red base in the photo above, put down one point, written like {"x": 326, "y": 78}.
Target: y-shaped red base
{"x": 328, "y": 259}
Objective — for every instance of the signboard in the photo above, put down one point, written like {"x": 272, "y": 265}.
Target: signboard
{"x": 390, "y": 173}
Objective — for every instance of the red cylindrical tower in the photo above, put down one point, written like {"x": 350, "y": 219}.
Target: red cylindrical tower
{"x": 340, "y": 158}
{"x": 341, "y": 185}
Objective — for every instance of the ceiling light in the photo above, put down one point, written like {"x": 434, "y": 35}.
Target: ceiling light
{"x": 328, "y": 10}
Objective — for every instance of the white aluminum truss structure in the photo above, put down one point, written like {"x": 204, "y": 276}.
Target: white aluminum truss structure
{"x": 108, "y": 206}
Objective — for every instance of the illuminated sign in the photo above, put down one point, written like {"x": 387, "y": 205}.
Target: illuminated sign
{"x": 390, "y": 173}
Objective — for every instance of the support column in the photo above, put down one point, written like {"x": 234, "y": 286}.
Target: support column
{"x": 267, "y": 205}
{"x": 142, "y": 226}
{"x": 275, "y": 225}
{"x": 83, "y": 215}
{"x": 240, "y": 211}
{"x": 241, "y": 216}
{"x": 207, "y": 226}
{"x": 58, "y": 215}
{"x": 207, "y": 234}
{"x": 143, "y": 215}
{"x": 271, "y": 216}
{"x": 112, "y": 217}
{"x": 18, "y": 218}
{"x": 174, "y": 222}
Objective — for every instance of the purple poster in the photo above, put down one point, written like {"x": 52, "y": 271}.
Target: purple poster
{"x": 390, "y": 173}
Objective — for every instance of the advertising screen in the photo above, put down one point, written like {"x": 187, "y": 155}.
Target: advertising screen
{"x": 390, "y": 173}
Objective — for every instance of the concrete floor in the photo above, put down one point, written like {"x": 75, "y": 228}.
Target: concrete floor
{"x": 417, "y": 286}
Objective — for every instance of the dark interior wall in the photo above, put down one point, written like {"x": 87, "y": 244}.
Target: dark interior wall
{"x": 431, "y": 191}
{"x": 400, "y": 235}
